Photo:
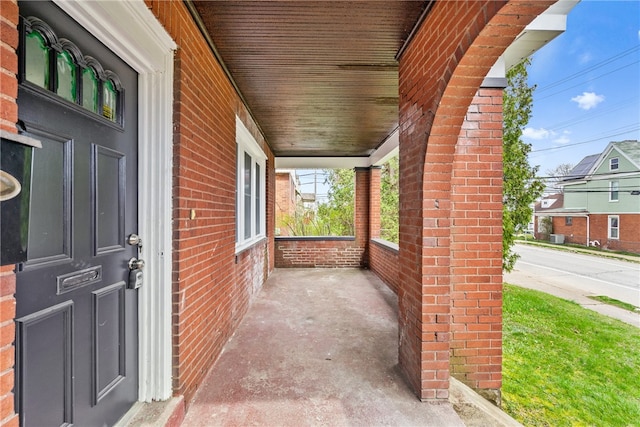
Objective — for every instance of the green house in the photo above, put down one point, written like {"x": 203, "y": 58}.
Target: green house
{"x": 602, "y": 200}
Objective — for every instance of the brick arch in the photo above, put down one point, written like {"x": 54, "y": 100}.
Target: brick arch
{"x": 440, "y": 73}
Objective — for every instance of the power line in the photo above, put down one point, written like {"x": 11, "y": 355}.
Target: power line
{"x": 588, "y": 69}
{"x": 596, "y": 113}
{"x": 586, "y": 81}
{"x": 584, "y": 142}
{"x": 569, "y": 176}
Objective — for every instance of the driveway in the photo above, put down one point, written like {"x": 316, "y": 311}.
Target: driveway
{"x": 576, "y": 276}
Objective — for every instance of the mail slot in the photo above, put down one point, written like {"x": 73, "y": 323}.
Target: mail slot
{"x": 16, "y": 155}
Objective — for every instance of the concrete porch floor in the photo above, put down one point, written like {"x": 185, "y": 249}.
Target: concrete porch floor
{"x": 318, "y": 347}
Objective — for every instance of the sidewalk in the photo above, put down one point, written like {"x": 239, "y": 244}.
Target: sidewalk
{"x": 584, "y": 250}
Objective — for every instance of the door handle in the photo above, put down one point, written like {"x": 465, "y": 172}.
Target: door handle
{"x": 136, "y": 264}
{"x": 134, "y": 240}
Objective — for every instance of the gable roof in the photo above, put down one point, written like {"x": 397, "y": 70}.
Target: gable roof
{"x": 587, "y": 166}
{"x": 630, "y": 149}
{"x": 553, "y": 201}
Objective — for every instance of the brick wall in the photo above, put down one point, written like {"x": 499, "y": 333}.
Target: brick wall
{"x": 576, "y": 233}
{"x": 383, "y": 260}
{"x": 317, "y": 252}
{"x": 8, "y": 118}
{"x": 285, "y": 197}
{"x": 212, "y": 286}
{"x": 476, "y": 247}
{"x": 439, "y": 77}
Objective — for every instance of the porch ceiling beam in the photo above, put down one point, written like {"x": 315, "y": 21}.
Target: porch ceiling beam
{"x": 322, "y": 162}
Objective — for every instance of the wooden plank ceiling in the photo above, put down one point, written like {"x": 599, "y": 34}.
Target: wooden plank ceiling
{"x": 320, "y": 77}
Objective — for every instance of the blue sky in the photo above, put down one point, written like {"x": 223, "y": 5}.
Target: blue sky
{"x": 588, "y": 85}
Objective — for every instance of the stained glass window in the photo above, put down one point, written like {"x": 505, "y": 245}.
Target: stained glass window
{"x": 90, "y": 90}
{"x": 109, "y": 101}
{"x": 67, "y": 82}
{"x": 37, "y": 60}
{"x": 56, "y": 64}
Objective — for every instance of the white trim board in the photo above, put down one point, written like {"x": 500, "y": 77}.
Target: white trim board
{"x": 133, "y": 33}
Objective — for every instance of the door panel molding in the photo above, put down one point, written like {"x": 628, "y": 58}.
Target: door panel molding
{"x": 108, "y": 320}
{"x": 106, "y": 165}
{"x": 38, "y": 332}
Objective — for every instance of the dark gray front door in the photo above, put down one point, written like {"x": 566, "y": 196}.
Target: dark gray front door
{"x": 76, "y": 320}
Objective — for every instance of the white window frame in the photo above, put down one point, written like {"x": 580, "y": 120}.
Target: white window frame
{"x": 610, "y": 228}
{"x": 246, "y": 144}
{"x": 614, "y": 161}
{"x": 614, "y": 186}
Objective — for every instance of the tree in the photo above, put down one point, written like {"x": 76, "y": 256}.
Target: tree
{"x": 389, "y": 200}
{"x": 521, "y": 187}
{"x": 555, "y": 175}
{"x": 338, "y": 212}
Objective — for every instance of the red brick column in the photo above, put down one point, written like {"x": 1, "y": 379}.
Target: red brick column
{"x": 8, "y": 119}
{"x": 439, "y": 77}
{"x": 374, "y": 202}
{"x": 476, "y": 247}
{"x": 361, "y": 212}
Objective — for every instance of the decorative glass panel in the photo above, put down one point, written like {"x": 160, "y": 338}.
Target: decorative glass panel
{"x": 67, "y": 83}
{"x": 36, "y": 60}
{"x": 109, "y": 101}
{"x": 90, "y": 89}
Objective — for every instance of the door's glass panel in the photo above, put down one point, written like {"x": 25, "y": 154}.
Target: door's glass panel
{"x": 36, "y": 59}
{"x": 247, "y": 196}
{"x": 90, "y": 90}
{"x": 66, "y": 76}
{"x": 109, "y": 101}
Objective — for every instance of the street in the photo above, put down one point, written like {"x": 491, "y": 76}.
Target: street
{"x": 575, "y": 276}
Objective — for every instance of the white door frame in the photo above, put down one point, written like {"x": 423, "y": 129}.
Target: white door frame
{"x": 133, "y": 33}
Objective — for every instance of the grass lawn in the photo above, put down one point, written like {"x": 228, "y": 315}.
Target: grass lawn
{"x": 564, "y": 365}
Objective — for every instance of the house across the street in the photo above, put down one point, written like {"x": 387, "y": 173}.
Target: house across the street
{"x": 600, "y": 202}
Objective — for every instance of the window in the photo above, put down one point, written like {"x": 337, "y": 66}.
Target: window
{"x": 250, "y": 189}
{"x": 613, "y": 191}
{"x": 57, "y": 65}
{"x": 568, "y": 220}
{"x": 613, "y": 164}
{"x": 614, "y": 227}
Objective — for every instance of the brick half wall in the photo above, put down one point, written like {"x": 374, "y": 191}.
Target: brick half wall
{"x": 318, "y": 252}
{"x": 383, "y": 260}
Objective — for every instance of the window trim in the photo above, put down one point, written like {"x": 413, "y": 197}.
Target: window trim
{"x": 247, "y": 145}
{"x": 617, "y": 228}
{"x": 613, "y": 190}
{"x": 568, "y": 221}
{"x": 611, "y": 163}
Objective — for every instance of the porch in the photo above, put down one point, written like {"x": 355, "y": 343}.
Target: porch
{"x": 319, "y": 347}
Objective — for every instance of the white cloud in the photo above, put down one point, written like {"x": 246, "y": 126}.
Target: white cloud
{"x": 564, "y": 138}
{"x": 538, "y": 134}
{"x": 588, "y": 100}
{"x": 585, "y": 57}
